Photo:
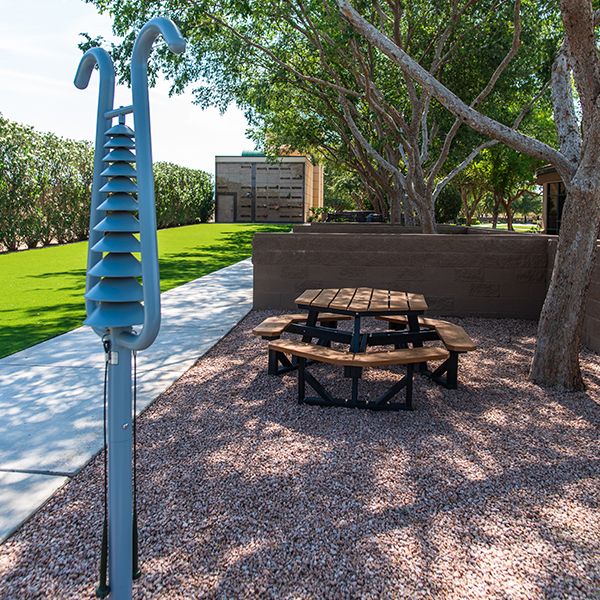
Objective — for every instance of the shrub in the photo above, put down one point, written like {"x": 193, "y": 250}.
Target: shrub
{"x": 45, "y": 184}
{"x": 183, "y": 196}
{"x": 447, "y": 205}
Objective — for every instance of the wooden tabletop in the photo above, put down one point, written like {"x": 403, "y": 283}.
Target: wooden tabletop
{"x": 362, "y": 300}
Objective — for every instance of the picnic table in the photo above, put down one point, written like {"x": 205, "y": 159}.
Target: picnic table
{"x": 403, "y": 312}
{"x": 358, "y": 303}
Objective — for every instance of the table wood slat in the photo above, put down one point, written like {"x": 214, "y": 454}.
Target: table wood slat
{"x": 398, "y": 301}
{"x": 343, "y": 298}
{"x": 361, "y": 299}
{"x": 325, "y": 297}
{"x": 307, "y": 296}
{"x": 416, "y": 301}
{"x": 380, "y": 300}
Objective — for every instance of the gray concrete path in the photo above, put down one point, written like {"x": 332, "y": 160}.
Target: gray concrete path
{"x": 51, "y": 393}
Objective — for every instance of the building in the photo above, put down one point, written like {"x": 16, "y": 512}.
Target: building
{"x": 252, "y": 189}
{"x": 554, "y": 198}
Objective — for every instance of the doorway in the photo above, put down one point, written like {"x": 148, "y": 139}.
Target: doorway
{"x": 225, "y": 208}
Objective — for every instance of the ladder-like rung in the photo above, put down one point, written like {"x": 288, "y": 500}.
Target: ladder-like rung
{"x": 122, "y": 110}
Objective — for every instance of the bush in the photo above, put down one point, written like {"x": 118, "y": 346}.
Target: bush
{"x": 183, "y": 196}
{"x": 45, "y": 185}
{"x": 447, "y": 205}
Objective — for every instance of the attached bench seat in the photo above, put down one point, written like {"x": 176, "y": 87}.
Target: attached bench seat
{"x": 272, "y": 327}
{"x": 404, "y": 356}
{"x": 353, "y": 364}
{"x": 454, "y": 337}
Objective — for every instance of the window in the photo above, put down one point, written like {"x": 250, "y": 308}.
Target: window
{"x": 555, "y": 201}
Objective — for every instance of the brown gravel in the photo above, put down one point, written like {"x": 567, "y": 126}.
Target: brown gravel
{"x": 490, "y": 491}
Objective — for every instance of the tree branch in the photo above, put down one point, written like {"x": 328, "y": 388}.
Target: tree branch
{"x": 477, "y": 121}
{"x": 565, "y": 117}
{"x": 578, "y": 19}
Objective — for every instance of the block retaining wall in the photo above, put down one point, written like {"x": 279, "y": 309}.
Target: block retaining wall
{"x": 460, "y": 275}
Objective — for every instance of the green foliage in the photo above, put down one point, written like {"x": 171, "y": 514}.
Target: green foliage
{"x": 447, "y": 205}
{"x": 343, "y": 190}
{"x": 273, "y": 57}
{"x": 183, "y": 196}
{"x": 528, "y": 205}
{"x": 44, "y": 187}
{"x": 45, "y": 184}
{"x": 317, "y": 214}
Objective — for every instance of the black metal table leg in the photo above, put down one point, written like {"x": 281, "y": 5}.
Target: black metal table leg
{"x": 413, "y": 327}
{"x": 356, "y": 337}
{"x": 301, "y": 380}
{"x": 311, "y": 321}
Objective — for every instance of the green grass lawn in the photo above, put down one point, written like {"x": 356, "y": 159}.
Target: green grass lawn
{"x": 522, "y": 227}
{"x": 42, "y": 289}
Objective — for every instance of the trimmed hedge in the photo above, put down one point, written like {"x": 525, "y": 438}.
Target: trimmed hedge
{"x": 45, "y": 184}
{"x": 183, "y": 196}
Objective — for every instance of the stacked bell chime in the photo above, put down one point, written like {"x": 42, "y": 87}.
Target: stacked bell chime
{"x": 118, "y": 293}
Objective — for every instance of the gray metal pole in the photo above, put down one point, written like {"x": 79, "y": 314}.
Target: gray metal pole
{"x": 113, "y": 293}
{"x": 120, "y": 502}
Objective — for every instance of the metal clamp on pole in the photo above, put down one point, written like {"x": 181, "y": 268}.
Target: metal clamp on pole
{"x": 122, "y": 224}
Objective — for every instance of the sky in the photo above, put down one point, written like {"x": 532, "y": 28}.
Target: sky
{"x": 38, "y": 61}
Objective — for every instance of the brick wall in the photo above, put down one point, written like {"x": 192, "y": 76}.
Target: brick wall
{"x": 459, "y": 275}
{"x": 591, "y": 336}
{"x": 462, "y": 275}
{"x": 317, "y": 227}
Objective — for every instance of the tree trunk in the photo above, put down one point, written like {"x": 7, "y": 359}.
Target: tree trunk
{"x": 395, "y": 209}
{"x": 465, "y": 205}
{"x": 427, "y": 218}
{"x": 556, "y": 358}
{"x": 409, "y": 219}
{"x": 496, "y": 210}
{"x": 509, "y": 215}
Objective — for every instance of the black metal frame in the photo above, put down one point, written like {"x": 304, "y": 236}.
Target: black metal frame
{"x": 324, "y": 398}
{"x": 397, "y": 335}
{"x": 450, "y": 368}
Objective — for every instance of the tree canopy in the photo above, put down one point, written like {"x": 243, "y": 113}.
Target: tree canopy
{"x": 307, "y": 81}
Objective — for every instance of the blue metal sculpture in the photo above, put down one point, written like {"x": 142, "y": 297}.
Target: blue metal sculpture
{"x": 116, "y": 301}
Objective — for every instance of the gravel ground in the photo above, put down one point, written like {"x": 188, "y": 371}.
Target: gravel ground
{"x": 489, "y": 491}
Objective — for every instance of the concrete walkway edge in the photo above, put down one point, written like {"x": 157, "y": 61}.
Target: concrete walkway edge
{"x": 51, "y": 393}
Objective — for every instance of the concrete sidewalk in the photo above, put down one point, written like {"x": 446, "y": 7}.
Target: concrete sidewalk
{"x": 51, "y": 394}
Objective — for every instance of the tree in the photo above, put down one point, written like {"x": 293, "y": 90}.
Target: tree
{"x": 297, "y": 72}
{"x": 510, "y": 176}
{"x": 556, "y": 357}
{"x": 448, "y": 205}
{"x": 527, "y": 205}
{"x": 473, "y": 187}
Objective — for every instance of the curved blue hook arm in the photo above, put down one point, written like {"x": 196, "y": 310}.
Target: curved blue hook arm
{"x": 106, "y": 95}
{"x": 145, "y": 178}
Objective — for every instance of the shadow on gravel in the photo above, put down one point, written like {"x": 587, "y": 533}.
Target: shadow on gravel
{"x": 489, "y": 491}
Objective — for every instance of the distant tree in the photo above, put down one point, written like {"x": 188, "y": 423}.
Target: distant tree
{"x": 527, "y": 205}
{"x": 448, "y": 205}
{"x": 473, "y": 185}
{"x": 344, "y": 190}
{"x": 510, "y": 176}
